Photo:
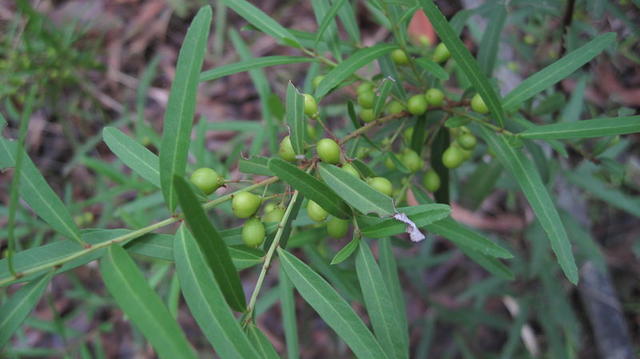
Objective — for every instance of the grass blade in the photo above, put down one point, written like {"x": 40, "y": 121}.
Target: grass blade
{"x": 295, "y": 118}
{"x": 250, "y": 64}
{"x": 585, "y": 129}
{"x": 599, "y": 189}
{"x": 178, "y": 119}
{"x": 133, "y": 154}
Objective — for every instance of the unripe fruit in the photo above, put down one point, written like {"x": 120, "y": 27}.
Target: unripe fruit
{"x": 467, "y": 141}
{"x": 431, "y": 181}
{"x": 253, "y": 232}
{"x": 452, "y": 157}
{"x": 412, "y": 161}
{"x": 417, "y": 105}
{"x": 328, "y": 150}
{"x": 394, "y": 107}
{"x": 310, "y": 105}
{"x": 337, "y": 227}
{"x": 367, "y": 115}
{"x": 366, "y": 99}
{"x": 399, "y": 57}
{"x": 389, "y": 163}
{"x": 286, "y": 150}
{"x": 478, "y": 105}
{"x": 441, "y": 53}
{"x": 207, "y": 180}
{"x": 407, "y": 135}
{"x": 269, "y": 207}
{"x": 312, "y": 133}
{"x": 381, "y": 185}
{"x": 316, "y": 81}
{"x": 274, "y": 215}
{"x": 245, "y": 204}
{"x": 435, "y": 97}
{"x": 349, "y": 168}
{"x": 316, "y": 212}
{"x": 364, "y": 87}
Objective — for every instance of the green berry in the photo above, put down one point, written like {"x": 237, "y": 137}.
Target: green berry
{"x": 394, "y": 107}
{"x": 365, "y": 87}
{"x": 316, "y": 81}
{"x": 328, "y": 150}
{"x": 431, "y": 181}
{"x": 316, "y": 212}
{"x": 478, "y": 105}
{"x": 286, "y": 150}
{"x": 366, "y": 99}
{"x": 245, "y": 204}
{"x": 349, "y": 168}
{"x": 312, "y": 133}
{"x": 207, "y": 180}
{"x": 417, "y": 105}
{"x": 412, "y": 161}
{"x": 367, "y": 115}
{"x": 441, "y": 53}
{"x": 435, "y": 97}
{"x": 253, "y": 232}
{"x": 399, "y": 57}
{"x": 337, "y": 227}
{"x": 274, "y": 215}
{"x": 452, "y": 157}
{"x": 389, "y": 163}
{"x": 381, "y": 185}
{"x": 310, "y": 105}
{"x": 407, "y": 135}
{"x": 467, "y": 141}
{"x": 269, "y": 207}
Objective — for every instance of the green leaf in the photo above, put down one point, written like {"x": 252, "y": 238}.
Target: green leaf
{"x": 389, "y": 271}
{"x": 346, "y": 251}
{"x": 206, "y": 301}
{"x": 531, "y": 184}
{"x": 331, "y": 307}
{"x": 488, "y": 50}
{"x": 363, "y": 168}
{"x": 262, "y": 21}
{"x": 585, "y": 129}
{"x": 604, "y": 191}
{"x": 328, "y": 19}
{"x": 260, "y": 342}
{"x": 211, "y": 244}
{"x": 356, "y": 192}
{"x": 379, "y": 304}
{"x": 35, "y": 190}
{"x": 433, "y": 68}
{"x": 255, "y": 165}
{"x": 142, "y": 305}
{"x": 421, "y": 215}
{"x": 310, "y": 187}
{"x": 288, "y": 312}
{"x": 348, "y": 18}
{"x": 178, "y": 119}
{"x": 346, "y": 68}
{"x": 251, "y": 64}
{"x": 133, "y": 154}
{"x": 383, "y": 93}
{"x": 557, "y": 71}
{"x": 464, "y": 60}
{"x": 17, "y": 308}
{"x": 295, "y": 118}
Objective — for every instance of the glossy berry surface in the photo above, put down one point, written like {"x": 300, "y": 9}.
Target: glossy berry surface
{"x": 381, "y": 185}
{"x": 286, "y": 150}
{"x": 467, "y": 141}
{"x": 310, "y": 105}
{"x": 245, "y": 204}
{"x": 350, "y": 169}
{"x": 399, "y": 57}
{"x": 412, "y": 161}
{"x": 207, "y": 180}
{"x": 337, "y": 228}
{"x": 253, "y": 233}
{"x": 328, "y": 150}
{"x": 367, "y": 115}
{"x": 366, "y": 99}
{"x": 407, "y": 135}
{"x": 452, "y": 157}
{"x": 364, "y": 87}
{"x": 394, "y": 107}
{"x": 431, "y": 181}
{"x": 316, "y": 212}
{"x": 441, "y": 53}
{"x": 274, "y": 215}
{"x": 478, "y": 105}
{"x": 435, "y": 97}
{"x": 417, "y": 105}
{"x": 316, "y": 81}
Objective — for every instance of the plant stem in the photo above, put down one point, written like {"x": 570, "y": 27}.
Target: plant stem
{"x": 132, "y": 235}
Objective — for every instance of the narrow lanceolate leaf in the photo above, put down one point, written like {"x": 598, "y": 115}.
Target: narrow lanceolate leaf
{"x": 531, "y": 184}
{"x": 346, "y": 68}
{"x": 585, "y": 129}
{"x": 356, "y": 192}
{"x": 331, "y": 307}
{"x": 247, "y": 65}
{"x": 255, "y": 165}
{"x": 557, "y": 71}
{"x": 262, "y": 21}
{"x": 464, "y": 60}
{"x": 133, "y": 154}
{"x": 206, "y": 301}
{"x": 17, "y": 308}
{"x": 421, "y": 215}
{"x": 35, "y": 190}
{"x": 328, "y": 19}
{"x": 261, "y": 343}
{"x": 389, "y": 270}
{"x": 295, "y": 118}
{"x": 310, "y": 187}
{"x": 433, "y": 68}
{"x": 491, "y": 38}
{"x": 346, "y": 251}
{"x": 211, "y": 245}
{"x": 288, "y": 311}
{"x": 178, "y": 119}
{"x": 383, "y": 93}
{"x": 599, "y": 189}
{"x": 142, "y": 305}
{"x": 380, "y": 306}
